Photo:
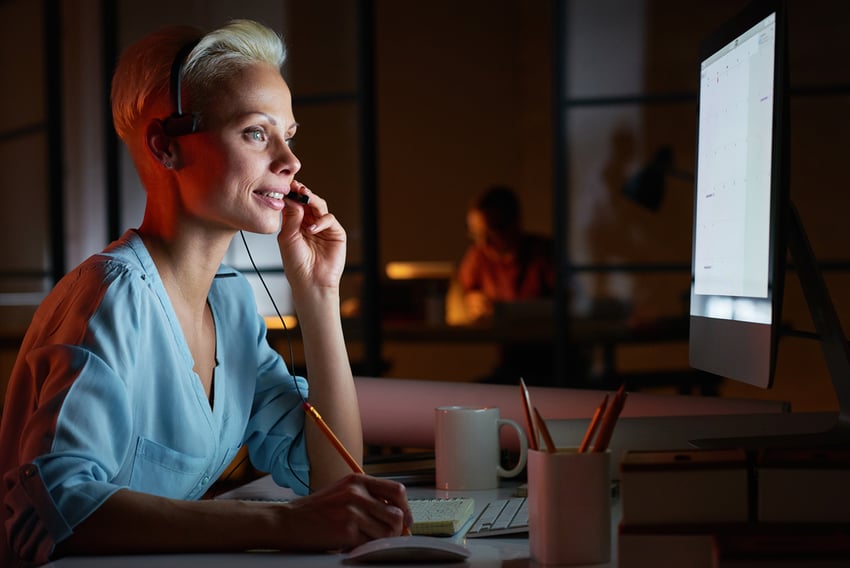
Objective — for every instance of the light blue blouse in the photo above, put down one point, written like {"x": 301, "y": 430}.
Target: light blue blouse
{"x": 103, "y": 396}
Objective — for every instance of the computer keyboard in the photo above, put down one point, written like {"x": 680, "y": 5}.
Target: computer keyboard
{"x": 501, "y": 516}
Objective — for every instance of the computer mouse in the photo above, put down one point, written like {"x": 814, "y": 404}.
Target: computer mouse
{"x": 409, "y": 549}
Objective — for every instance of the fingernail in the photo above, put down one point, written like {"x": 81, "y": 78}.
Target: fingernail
{"x": 314, "y": 228}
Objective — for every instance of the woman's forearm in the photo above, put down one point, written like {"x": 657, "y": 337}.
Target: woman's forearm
{"x": 332, "y": 390}
{"x": 355, "y": 509}
{"x": 130, "y": 522}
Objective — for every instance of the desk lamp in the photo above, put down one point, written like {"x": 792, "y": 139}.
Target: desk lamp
{"x": 647, "y": 187}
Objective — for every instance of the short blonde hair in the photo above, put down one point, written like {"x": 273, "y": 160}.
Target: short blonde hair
{"x": 141, "y": 83}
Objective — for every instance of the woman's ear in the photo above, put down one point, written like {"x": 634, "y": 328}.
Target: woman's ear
{"x": 160, "y": 144}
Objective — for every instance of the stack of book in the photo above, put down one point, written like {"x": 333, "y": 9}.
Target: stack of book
{"x": 804, "y": 486}
{"x": 801, "y": 512}
{"x": 674, "y": 502}
{"x": 730, "y": 509}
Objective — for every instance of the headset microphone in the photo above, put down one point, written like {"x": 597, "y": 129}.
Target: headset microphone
{"x": 180, "y": 124}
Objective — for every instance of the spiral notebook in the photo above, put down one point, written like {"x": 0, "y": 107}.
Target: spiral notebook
{"x": 440, "y": 516}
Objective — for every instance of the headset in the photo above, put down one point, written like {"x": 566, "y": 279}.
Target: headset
{"x": 180, "y": 123}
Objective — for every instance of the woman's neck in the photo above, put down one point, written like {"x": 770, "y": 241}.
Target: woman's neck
{"x": 186, "y": 262}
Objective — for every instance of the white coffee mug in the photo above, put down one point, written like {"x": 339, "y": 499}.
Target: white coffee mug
{"x": 467, "y": 448}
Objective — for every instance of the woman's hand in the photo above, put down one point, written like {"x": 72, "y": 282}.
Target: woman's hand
{"x": 356, "y": 509}
{"x": 478, "y": 306}
{"x": 312, "y": 242}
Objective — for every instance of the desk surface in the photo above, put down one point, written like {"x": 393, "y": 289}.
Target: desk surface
{"x": 493, "y": 551}
{"x": 636, "y": 433}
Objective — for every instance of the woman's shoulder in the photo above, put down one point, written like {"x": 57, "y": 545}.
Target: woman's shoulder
{"x": 104, "y": 286}
{"x": 124, "y": 264}
{"x": 121, "y": 281}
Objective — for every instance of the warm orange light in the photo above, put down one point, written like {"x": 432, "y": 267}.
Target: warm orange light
{"x": 273, "y": 322}
{"x": 400, "y": 270}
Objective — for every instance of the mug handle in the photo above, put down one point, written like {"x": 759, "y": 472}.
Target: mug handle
{"x": 523, "y": 448}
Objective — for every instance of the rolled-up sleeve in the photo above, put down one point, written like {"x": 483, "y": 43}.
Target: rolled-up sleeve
{"x": 34, "y": 524}
{"x": 85, "y": 426}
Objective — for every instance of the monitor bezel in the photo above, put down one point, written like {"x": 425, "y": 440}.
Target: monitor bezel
{"x": 740, "y": 350}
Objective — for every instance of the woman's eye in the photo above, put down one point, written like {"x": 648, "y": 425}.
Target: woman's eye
{"x": 290, "y": 142}
{"x": 256, "y": 135}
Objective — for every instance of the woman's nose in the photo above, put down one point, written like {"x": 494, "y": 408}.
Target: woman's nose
{"x": 286, "y": 162}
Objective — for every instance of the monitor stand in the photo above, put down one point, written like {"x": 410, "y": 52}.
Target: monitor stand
{"x": 834, "y": 346}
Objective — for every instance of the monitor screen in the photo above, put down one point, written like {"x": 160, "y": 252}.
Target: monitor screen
{"x": 741, "y": 191}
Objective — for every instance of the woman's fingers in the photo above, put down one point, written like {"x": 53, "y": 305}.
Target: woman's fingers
{"x": 354, "y": 510}
{"x": 393, "y": 494}
{"x": 315, "y": 203}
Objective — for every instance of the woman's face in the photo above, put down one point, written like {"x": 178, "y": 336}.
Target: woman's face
{"x": 236, "y": 170}
{"x": 485, "y": 236}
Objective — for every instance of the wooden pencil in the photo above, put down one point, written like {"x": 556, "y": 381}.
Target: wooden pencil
{"x": 606, "y": 430}
{"x": 594, "y": 424}
{"x": 529, "y": 417}
{"x": 547, "y": 437}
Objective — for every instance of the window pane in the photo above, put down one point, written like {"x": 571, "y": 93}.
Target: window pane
{"x": 604, "y": 47}
{"x": 640, "y": 297}
{"x": 23, "y": 217}
{"x": 606, "y": 146}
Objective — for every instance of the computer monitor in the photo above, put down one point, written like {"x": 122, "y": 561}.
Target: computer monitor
{"x": 741, "y": 189}
{"x": 744, "y": 221}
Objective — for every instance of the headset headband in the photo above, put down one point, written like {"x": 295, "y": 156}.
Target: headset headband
{"x": 180, "y": 124}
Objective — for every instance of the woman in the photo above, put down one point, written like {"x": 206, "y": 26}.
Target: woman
{"x": 147, "y": 367}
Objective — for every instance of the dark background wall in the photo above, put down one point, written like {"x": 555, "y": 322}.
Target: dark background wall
{"x": 463, "y": 100}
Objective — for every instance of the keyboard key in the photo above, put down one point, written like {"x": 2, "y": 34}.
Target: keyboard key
{"x": 501, "y": 516}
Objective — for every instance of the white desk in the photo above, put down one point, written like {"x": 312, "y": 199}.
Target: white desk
{"x": 665, "y": 432}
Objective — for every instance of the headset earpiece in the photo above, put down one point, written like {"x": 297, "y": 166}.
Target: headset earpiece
{"x": 180, "y": 124}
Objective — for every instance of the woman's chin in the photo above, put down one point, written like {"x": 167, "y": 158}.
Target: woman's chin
{"x": 266, "y": 227}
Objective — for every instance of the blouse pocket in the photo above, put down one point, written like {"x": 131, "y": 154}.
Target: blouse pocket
{"x": 163, "y": 471}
